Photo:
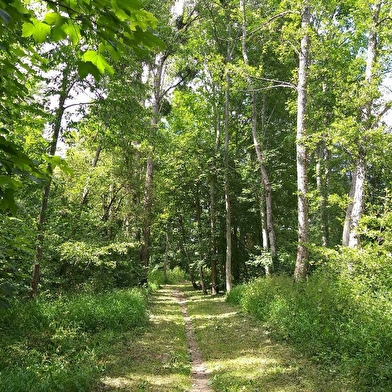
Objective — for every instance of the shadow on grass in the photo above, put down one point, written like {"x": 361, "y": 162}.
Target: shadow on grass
{"x": 241, "y": 355}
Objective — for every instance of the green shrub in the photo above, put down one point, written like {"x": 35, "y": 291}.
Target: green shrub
{"x": 235, "y": 295}
{"x": 175, "y": 275}
{"x": 155, "y": 278}
{"x": 339, "y": 315}
{"x": 56, "y": 345}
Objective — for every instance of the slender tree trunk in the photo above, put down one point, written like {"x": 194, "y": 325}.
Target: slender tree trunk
{"x": 157, "y": 74}
{"x": 65, "y": 89}
{"x": 213, "y": 180}
{"x": 86, "y": 188}
{"x": 302, "y": 263}
{"x": 321, "y": 180}
{"x": 228, "y": 271}
{"x": 166, "y": 259}
{"x": 185, "y": 250}
{"x": 357, "y": 189}
{"x": 263, "y": 170}
{"x": 200, "y": 239}
{"x": 357, "y": 205}
{"x": 146, "y": 230}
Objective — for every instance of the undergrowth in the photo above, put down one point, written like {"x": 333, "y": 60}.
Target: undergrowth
{"x": 58, "y": 345}
{"x": 340, "y": 315}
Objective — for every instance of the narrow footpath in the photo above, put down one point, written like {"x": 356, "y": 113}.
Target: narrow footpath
{"x": 197, "y": 343}
{"x": 200, "y": 380}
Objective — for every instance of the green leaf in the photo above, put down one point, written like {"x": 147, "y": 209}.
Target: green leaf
{"x": 130, "y": 5}
{"x": 52, "y": 17}
{"x": 73, "y": 32}
{"x": 57, "y": 33}
{"x": 27, "y": 29}
{"x": 39, "y": 30}
{"x": 88, "y": 68}
{"x": 99, "y": 61}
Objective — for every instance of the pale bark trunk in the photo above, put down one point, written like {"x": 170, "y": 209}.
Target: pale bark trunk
{"x": 357, "y": 205}
{"x": 213, "y": 245}
{"x": 357, "y": 189}
{"x": 166, "y": 260}
{"x": 302, "y": 263}
{"x": 321, "y": 180}
{"x": 157, "y": 80}
{"x": 65, "y": 89}
{"x": 228, "y": 269}
{"x": 146, "y": 230}
{"x": 263, "y": 170}
{"x": 200, "y": 240}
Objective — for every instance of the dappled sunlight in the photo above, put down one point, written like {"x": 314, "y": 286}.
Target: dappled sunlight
{"x": 214, "y": 316}
{"x": 249, "y": 367}
{"x": 141, "y": 382}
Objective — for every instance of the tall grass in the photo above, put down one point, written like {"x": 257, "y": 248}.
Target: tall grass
{"x": 57, "y": 345}
{"x": 335, "y": 317}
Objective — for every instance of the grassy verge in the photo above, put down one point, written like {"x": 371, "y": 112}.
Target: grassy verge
{"x": 156, "y": 360}
{"x": 335, "y": 320}
{"x": 242, "y": 356}
{"x": 59, "y": 345}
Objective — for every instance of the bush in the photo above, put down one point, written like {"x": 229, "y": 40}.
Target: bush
{"x": 57, "y": 345}
{"x": 95, "y": 267}
{"x": 175, "y": 275}
{"x": 336, "y": 316}
{"x": 156, "y": 277}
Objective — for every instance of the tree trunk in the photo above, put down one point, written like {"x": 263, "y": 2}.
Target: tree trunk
{"x": 357, "y": 205}
{"x": 66, "y": 86}
{"x": 157, "y": 79}
{"x": 228, "y": 271}
{"x": 302, "y": 263}
{"x": 357, "y": 189}
{"x": 263, "y": 170}
{"x": 166, "y": 259}
{"x": 146, "y": 230}
{"x": 321, "y": 181}
{"x": 86, "y": 188}
{"x": 213, "y": 180}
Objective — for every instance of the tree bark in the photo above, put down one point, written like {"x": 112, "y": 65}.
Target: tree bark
{"x": 228, "y": 268}
{"x": 357, "y": 188}
{"x": 146, "y": 230}
{"x": 322, "y": 180}
{"x": 213, "y": 180}
{"x": 157, "y": 79}
{"x": 66, "y": 86}
{"x": 302, "y": 263}
{"x": 263, "y": 171}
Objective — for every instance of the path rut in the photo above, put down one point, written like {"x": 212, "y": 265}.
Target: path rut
{"x": 200, "y": 376}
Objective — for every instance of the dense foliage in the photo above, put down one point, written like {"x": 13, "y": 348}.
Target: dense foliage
{"x": 340, "y": 316}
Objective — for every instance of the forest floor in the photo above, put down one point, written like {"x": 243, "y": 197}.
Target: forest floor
{"x": 200, "y": 343}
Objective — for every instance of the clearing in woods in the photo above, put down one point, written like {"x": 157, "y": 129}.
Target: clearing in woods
{"x": 200, "y": 343}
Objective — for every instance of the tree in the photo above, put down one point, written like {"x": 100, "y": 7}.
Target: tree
{"x": 302, "y": 263}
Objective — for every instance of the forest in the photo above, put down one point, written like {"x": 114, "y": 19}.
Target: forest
{"x": 242, "y": 144}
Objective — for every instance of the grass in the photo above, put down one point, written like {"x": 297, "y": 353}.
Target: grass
{"x": 241, "y": 355}
{"x": 60, "y": 345}
{"x": 156, "y": 360}
{"x": 105, "y": 344}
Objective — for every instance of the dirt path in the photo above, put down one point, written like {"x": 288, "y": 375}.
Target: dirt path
{"x": 200, "y": 376}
